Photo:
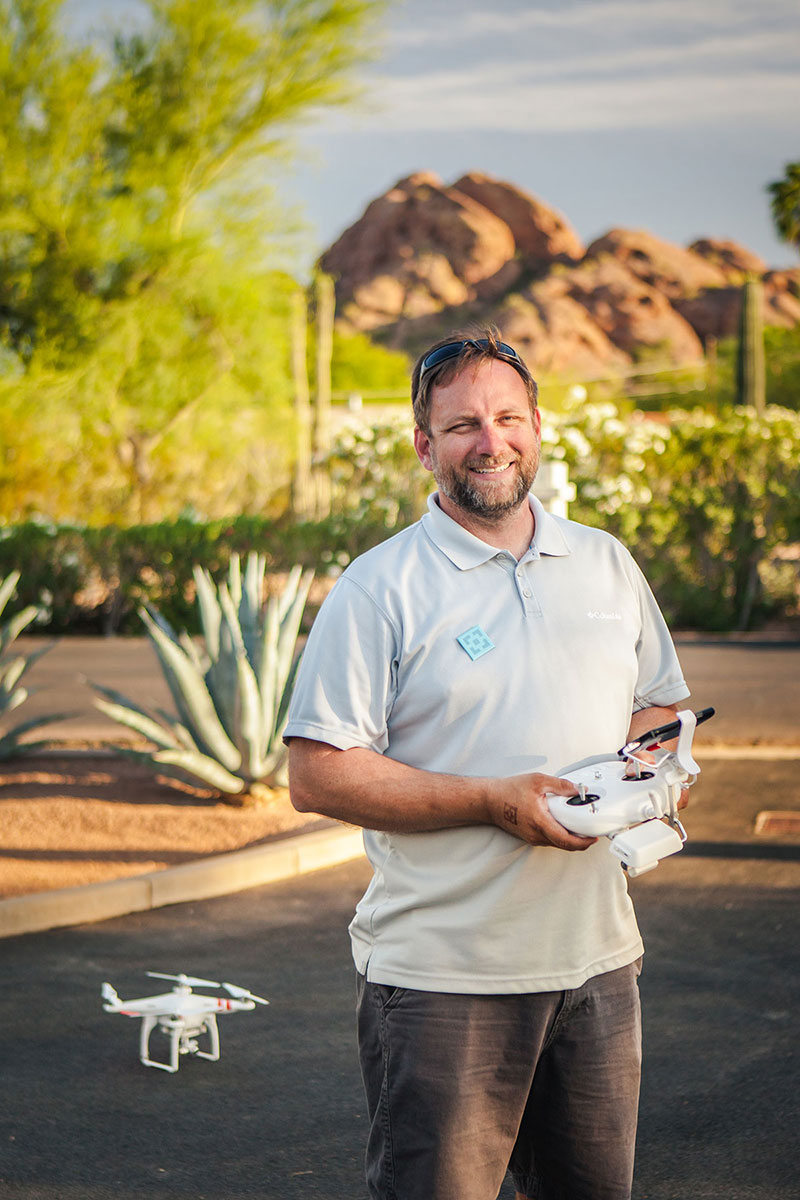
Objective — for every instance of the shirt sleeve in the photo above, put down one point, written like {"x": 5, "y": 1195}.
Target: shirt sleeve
{"x": 660, "y": 678}
{"x": 346, "y": 682}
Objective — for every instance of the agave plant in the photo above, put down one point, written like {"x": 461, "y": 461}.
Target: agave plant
{"x": 232, "y": 695}
{"x": 12, "y": 670}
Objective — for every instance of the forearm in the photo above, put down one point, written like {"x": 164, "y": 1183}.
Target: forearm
{"x": 364, "y": 788}
{"x": 650, "y": 718}
{"x": 369, "y": 789}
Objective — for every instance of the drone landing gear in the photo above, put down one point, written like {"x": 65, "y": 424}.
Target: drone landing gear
{"x": 182, "y": 1039}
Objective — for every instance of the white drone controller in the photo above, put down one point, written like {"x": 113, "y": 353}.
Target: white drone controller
{"x": 637, "y": 811}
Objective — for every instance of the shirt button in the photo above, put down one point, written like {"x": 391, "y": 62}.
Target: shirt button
{"x": 527, "y": 593}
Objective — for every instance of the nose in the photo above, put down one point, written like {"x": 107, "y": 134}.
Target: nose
{"x": 490, "y": 440}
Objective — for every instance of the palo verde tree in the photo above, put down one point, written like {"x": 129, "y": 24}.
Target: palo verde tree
{"x": 142, "y": 318}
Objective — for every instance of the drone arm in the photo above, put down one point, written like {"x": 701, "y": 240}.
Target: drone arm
{"x": 111, "y": 1000}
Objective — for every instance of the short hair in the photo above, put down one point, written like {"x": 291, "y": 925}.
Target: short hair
{"x": 478, "y": 346}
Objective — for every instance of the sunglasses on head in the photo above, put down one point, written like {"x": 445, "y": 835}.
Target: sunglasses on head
{"x": 453, "y": 349}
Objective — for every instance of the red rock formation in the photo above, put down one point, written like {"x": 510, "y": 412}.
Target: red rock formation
{"x": 661, "y": 265}
{"x": 734, "y": 260}
{"x": 633, "y": 315}
{"x": 715, "y": 312}
{"x": 541, "y": 235}
{"x": 555, "y": 333}
{"x": 426, "y": 258}
{"x": 418, "y": 249}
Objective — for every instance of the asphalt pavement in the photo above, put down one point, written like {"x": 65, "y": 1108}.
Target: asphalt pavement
{"x": 281, "y": 1115}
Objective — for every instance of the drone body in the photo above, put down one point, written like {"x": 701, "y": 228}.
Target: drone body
{"x": 182, "y": 1015}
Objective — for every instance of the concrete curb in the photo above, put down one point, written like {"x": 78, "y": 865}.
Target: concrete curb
{"x": 218, "y": 875}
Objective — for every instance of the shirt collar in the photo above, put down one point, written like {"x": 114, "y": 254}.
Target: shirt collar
{"x": 465, "y": 550}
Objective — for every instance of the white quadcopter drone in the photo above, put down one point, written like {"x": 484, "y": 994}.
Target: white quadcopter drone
{"x": 181, "y": 1014}
{"x": 638, "y": 812}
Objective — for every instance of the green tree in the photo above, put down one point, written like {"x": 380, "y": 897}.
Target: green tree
{"x": 785, "y": 194}
{"x": 138, "y": 291}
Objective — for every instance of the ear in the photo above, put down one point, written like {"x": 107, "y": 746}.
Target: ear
{"x": 422, "y": 445}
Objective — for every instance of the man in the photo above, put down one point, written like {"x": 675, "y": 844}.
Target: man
{"x": 451, "y": 674}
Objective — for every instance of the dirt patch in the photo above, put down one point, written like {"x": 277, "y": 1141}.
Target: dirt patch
{"x": 91, "y": 815}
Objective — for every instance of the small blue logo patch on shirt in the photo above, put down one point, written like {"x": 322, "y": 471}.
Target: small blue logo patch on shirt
{"x": 475, "y": 642}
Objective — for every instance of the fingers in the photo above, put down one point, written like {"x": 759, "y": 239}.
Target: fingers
{"x": 526, "y": 813}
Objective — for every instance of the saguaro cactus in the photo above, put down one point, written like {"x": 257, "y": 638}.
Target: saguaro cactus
{"x": 750, "y": 376}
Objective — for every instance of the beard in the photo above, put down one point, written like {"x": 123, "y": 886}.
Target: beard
{"x": 487, "y": 501}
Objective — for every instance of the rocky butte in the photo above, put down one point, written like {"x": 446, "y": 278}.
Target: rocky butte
{"x": 427, "y": 257}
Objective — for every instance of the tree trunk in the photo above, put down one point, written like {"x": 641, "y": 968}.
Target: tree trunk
{"x": 302, "y": 500}
{"x": 325, "y": 306}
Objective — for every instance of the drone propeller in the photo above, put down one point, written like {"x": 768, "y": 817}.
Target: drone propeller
{"x": 240, "y": 993}
{"x": 184, "y": 980}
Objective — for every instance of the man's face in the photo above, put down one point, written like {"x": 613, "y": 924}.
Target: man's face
{"x": 483, "y": 446}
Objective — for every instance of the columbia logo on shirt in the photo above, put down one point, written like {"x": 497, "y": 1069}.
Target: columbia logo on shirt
{"x": 604, "y": 616}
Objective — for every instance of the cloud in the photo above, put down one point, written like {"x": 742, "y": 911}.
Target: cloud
{"x": 497, "y": 98}
{"x": 629, "y": 18}
{"x": 659, "y": 64}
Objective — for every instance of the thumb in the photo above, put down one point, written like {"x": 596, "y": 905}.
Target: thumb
{"x": 562, "y": 787}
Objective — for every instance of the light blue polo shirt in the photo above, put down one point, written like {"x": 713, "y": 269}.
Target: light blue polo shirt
{"x": 447, "y": 654}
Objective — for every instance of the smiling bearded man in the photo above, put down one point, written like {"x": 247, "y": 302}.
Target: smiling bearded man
{"x": 451, "y": 674}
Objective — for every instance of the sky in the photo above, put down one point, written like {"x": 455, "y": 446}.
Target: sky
{"x": 665, "y": 115}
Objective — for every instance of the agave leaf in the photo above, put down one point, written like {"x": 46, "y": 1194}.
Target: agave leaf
{"x": 250, "y": 607}
{"x": 192, "y": 651}
{"x": 285, "y": 700}
{"x": 15, "y": 625}
{"x": 287, "y": 596}
{"x": 35, "y": 655}
{"x": 251, "y": 724}
{"x": 276, "y": 772}
{"x": 287, "y": 640}
{"x": 138, "y": 721}
{"x": 117, "y": 698}
{"x": 192, "y": 698}
{"x": 184, "y": 737}
{"x": 253, "y": 591}
{"x": 163, "y": 624}
{"x": 203, "y": 767}
{"x": 222, "y": 677}
{"x": 7, "y": 588}
{"x": 9, "y": 742}
{"x": 268, "y": 664}
{"x": 210, "y": 614}
{"x": 235, "y": 579}
{"x": 152, "y": 759}
{"x": 13, "y": 700}
{"x": 8, "y": 749}
{"x": 10, "y": 671}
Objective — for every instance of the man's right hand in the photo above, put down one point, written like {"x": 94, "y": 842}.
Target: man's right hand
{"x": 519, "y": 805}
